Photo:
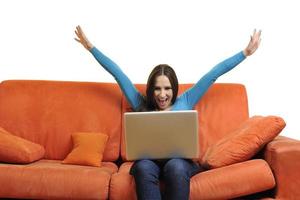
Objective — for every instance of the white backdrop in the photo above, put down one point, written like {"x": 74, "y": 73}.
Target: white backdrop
{"x": 36, "y": 42}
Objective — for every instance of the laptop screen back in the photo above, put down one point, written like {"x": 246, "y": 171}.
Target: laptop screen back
{"x": 161, "y": 134}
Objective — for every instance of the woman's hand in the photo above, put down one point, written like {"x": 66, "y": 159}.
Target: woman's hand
{"x": 82, "y": 38}
{"x": 253, "y": 44}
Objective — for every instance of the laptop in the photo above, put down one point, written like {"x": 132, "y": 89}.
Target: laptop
{"x": 161, "y": 134}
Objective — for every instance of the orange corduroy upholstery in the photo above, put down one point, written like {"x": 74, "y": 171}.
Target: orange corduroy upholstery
{"x": 49, "y": 112}
{"x": 283, "y": 156}
{"x": 88, "y": 149}
{"x": 49, "y": 179}
{"x": 222, "y": 183}
{"x": 14, "y": 149}
{"x": 244, "y": 142}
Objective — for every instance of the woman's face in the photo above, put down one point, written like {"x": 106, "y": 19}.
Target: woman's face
{"x": 163, "y": 92}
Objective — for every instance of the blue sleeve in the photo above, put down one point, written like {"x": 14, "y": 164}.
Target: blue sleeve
{"x": 193, "y": 95}
{"x": 131, "y": 93}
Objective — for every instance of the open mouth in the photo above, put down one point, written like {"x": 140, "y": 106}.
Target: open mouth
{"x": 162, "y": 102}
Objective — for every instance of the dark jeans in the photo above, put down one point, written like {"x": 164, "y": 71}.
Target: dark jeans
{"x": 176, "y": 174}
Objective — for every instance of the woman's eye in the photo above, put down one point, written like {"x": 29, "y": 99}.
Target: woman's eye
{"x": 168, "y": 88}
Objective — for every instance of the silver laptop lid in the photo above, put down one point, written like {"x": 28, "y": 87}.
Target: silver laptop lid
{"x": 161, "y": 134}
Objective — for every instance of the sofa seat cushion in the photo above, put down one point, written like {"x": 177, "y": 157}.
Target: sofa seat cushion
{"x": 122, "y": 184}
{"x": 233, "y": 180}
{"x": 49, "y": 179}
{"x": 222, "y": 183}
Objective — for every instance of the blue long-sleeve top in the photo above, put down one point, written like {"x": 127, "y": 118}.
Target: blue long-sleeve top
{"x": 187, "y": 100}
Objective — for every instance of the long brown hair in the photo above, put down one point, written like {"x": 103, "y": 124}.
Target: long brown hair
{"x": 162, "y": 69}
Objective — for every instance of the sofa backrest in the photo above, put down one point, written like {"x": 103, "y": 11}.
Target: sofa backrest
{"x": 48, "y": 112}
{"x": 222, "y": 109}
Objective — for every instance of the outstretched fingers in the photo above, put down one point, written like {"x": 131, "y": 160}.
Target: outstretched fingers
{"x": 253, "y": 43}
{"x": 256, "y": 36}
{"x": 81, "y": 38}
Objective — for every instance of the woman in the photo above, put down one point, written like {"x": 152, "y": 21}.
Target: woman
{"x": 161, "y": 95}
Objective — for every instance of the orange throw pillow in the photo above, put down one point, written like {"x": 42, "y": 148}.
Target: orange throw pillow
{"x": 14, "y": 149}
{"x": 88, "y": 149}
{"x": 244, "y": 142}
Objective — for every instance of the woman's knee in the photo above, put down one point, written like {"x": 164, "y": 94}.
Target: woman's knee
{"x": 177, "y": 167}
{"x": 144, "y": 167}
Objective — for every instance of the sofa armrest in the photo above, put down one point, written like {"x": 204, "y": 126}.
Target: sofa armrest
{"x": 283, "y": 156}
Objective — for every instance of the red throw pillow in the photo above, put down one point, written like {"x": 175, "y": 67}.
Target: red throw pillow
{"x": 88, "y": 149}
{"x": 14, "y": 149}
{"x": 244, "y": 142}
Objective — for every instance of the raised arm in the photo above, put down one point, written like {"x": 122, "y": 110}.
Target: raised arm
{"x": 193, "y": 95}
{"x": 129, "y": 90}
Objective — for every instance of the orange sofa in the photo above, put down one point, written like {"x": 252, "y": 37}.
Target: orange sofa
{"x": 49, "y": 112}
